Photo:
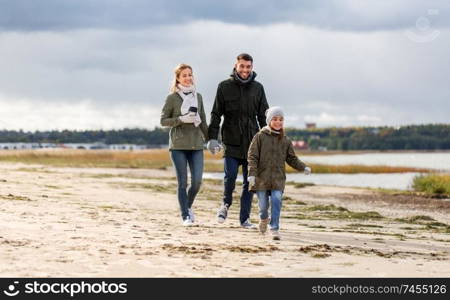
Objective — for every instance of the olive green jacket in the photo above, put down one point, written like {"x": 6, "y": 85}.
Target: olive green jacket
{"x": 183, "y": 136}
{"x": 266, "y": 160}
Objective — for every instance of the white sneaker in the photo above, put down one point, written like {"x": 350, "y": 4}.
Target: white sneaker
{"x": 247, "y": 224}
{"x": 188, "y": 221}
{"x": 222, "y": 213}
{"x": 191, "y": 215}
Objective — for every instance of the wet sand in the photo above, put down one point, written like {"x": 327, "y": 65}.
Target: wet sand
{"x": 97, "y": 222}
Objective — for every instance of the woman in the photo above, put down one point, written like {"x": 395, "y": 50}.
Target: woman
{"x": 185, "y": 114}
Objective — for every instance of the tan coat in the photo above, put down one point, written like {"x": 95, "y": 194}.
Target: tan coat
{"x": 266, "y": 160}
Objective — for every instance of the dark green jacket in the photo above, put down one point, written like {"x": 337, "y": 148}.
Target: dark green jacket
{"x": 242, "y": 105}
{"x": 266, "y": 160}
{"x": 183, "y": 136}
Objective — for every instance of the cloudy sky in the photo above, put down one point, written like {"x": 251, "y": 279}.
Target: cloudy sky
{"x": 104, "y": 64}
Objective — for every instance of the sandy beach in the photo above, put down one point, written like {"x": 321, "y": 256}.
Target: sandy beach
{"x": 99, "y": 222}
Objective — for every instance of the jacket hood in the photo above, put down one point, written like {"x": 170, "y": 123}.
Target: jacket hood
{"x": 269, "y": 131}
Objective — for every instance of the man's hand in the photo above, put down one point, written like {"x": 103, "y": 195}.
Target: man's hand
{"x": 213, "y": 146}
{"x": 251, "y": 180}
{"x": 307, "y": 171}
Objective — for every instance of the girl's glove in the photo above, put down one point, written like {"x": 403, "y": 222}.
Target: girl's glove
{"x": 307, "y": 171}
{"x": 251, "y": 180}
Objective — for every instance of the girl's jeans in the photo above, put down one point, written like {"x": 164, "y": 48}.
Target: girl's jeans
{"x": 275, "y": 209}
{"x": 180, "y": 159}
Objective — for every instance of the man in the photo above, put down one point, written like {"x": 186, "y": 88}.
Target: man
{"x": 242, "y": 102}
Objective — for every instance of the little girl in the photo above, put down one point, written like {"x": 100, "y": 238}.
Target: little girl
{"x": 268, "y": 152}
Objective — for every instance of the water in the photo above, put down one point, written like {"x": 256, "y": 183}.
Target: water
{"x": 401, "y": 181}
{"x": 427, "y": 160}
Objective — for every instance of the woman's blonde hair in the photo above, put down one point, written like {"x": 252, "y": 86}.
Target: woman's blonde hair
{"x": 177, "y": 72}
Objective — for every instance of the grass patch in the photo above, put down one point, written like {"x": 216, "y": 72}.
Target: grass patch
{"x": 214, "y": 167}
{"x": 432, "y": 184}
{"x": 338, "y": 212}
{"x": 38, "y": 170}
{"x": 297, "y": 202}
{"x": 397, "y": 235}
{"x": 101, "y": 175}
{"x": 151, "y": 159}
{"x": 420, "y": 219}
{"x": 438, "y": 227}
{"x": 299, "y": 217}
{"x": 167, "y": 188}
{"x": 300, "y": 185}
{"x": 407, "y": 228}
{"x": 158, "y": 159}
{"x": 330, "y": 207}
{"x": 213, "y": 181}
{"x": 353, "y": 169}
{"x": 107, "y": 207}
{"x": 357, "y": 225}
{"x": 52, "y": 186}
{"x": 15, "y": 197}
{"x": 210, "y": 194}
{"x": 361, "y": 215}
{"x": 320, "y": 255}
{"x": 428, "y": 222}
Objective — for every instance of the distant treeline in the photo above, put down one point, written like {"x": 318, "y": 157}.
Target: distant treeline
{"x": 413, "y": 137}
{"x": 158, "y": 136}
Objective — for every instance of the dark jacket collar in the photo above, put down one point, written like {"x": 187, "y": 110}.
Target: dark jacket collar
{"x": 239, "y": 80}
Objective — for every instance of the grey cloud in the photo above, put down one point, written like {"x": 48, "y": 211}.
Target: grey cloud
{"x": 378, "y": 78}
{"x": 347, "y": 15}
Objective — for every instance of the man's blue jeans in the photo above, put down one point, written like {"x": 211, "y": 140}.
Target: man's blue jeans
{"x": 275, "y": 206}
{"x": 231, "y": 168}
{"x": 180, "y": 159}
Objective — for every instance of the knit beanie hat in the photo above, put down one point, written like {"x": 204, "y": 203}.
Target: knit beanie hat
{"x": 272, "y": 112}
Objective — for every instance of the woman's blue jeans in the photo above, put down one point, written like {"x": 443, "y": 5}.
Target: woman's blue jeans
{"x": 275, "y": 206}
{"x": 181, "y": 159}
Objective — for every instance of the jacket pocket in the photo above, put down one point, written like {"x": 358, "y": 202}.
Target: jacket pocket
{"x": 280, "y": 173}
{"x": 231, "y": 135}
{"x": 231, "y": 104}
{"x": 177, "y": 133}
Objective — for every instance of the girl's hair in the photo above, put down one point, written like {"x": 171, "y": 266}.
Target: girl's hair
{"x": 281, "y": 135}
{"x": 177, "y": 71}
{"x": 281, "y": 131}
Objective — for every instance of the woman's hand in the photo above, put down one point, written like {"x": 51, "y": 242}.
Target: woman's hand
{"x": 187, "y": 118}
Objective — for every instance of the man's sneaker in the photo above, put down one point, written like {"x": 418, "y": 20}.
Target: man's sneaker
{"x": 191, "y": 215}
{"x": 222, "y": 213}
{"x": 263, "y": 225}
{"x": 247, "y": 224}
{"x": 188, "y": 221}
{"x": 275, "y": 235}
